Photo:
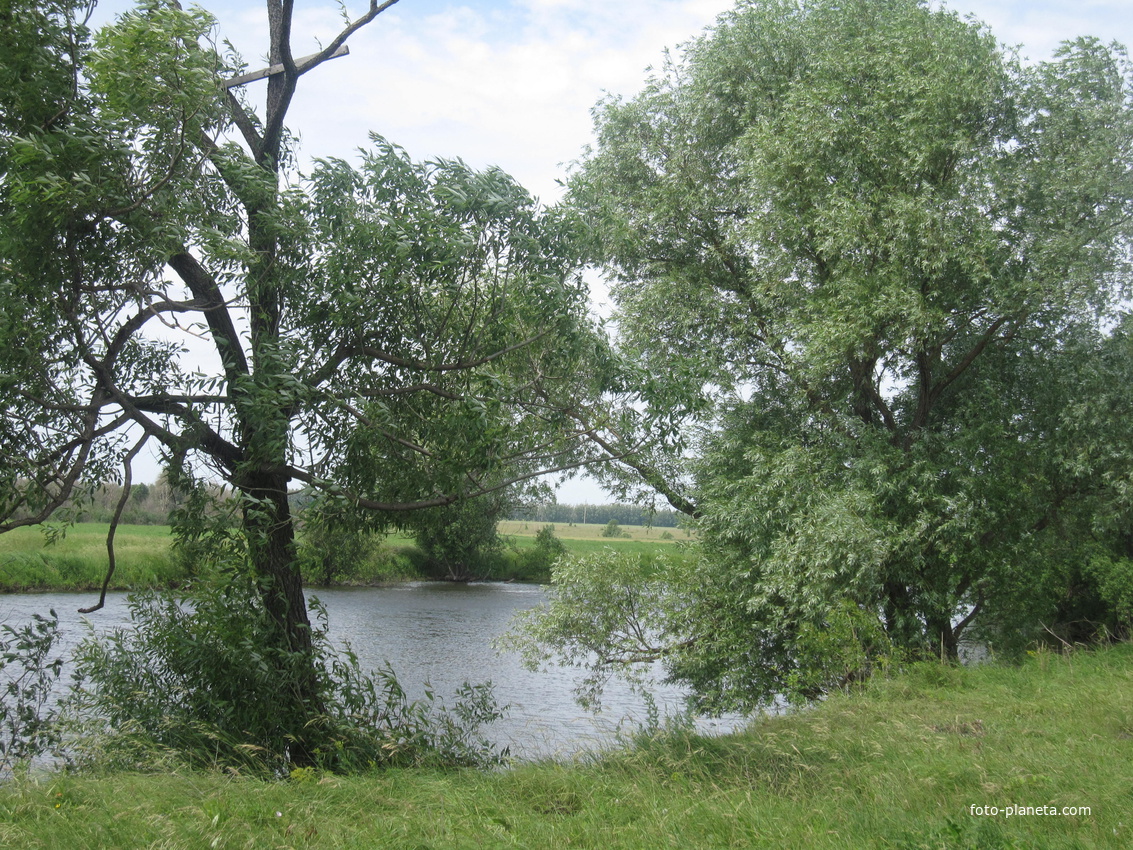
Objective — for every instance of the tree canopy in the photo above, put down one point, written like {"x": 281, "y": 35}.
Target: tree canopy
{"x": 390, "y": 334}
{"x": 875, "y": 268}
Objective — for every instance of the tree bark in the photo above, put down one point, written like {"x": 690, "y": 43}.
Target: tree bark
{"x": 270, "y": 531}
{"x": 942, "y": 638}
{"x": 271, "y": 539}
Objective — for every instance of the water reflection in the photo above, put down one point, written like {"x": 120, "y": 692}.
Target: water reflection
{"x": 437, "y": 634}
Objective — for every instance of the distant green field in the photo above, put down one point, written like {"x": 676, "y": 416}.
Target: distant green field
{"x": 593, "y": 531}
{"x": 585, "y": 539}
{"x": 78, "y": 561}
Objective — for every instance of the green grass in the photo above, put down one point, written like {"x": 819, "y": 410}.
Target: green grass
{"x": 582, "y": 532}
{"x": 79, "y": 560}
{"x": 897, "y": 767}
{"x": 587, "y": 539}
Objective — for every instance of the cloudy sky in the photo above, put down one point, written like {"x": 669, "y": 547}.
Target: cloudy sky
{"x": 511, "y": 82}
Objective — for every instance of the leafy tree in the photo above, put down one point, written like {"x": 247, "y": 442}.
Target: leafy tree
{"x": 330, "y": 552}
{"x": 390, "y": 334}
{"x": 612, "y": 529}
{"x": 537, "y": 562}
{"x": 461, "y": 538}
{"x": 30, "y": 700}
{"x": 871, "y": 264}
{"x": 548, "y": 544}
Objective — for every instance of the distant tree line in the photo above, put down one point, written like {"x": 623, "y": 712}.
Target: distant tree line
{"x": 599, "y": 514}
{"x": 150, "y": 504}
{"x": 147, "y": 504}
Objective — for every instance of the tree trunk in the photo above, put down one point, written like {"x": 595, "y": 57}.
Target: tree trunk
{"x": 271, "y": 538}
{"x": 941, "y": 637}
{"x": 270, "y": 532}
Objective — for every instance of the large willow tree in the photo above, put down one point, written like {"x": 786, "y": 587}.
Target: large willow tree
{"x": 391, "y": 335}
{"x": 877, "y": 265}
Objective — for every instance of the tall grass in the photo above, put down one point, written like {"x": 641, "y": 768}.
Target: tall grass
{"x": 78, "y": 561}
{"x": 899, "y": 766}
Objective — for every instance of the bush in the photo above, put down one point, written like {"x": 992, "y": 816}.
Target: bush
{"x": 845, "y": 649}
{"x": 462, "y": 539}
{"x": 330, "y": 555}
{"x": 612, "y": 529}
{"x": 30, "y": 706}
{"x": 547, "y": 549}
{"x": 194, "y": 679}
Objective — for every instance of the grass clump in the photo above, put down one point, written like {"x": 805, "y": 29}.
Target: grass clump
{"x": 199, "y": 679}
{"x": 899, "y": 764}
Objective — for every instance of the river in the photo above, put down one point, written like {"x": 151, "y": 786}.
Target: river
{"x": 438, "y": 633}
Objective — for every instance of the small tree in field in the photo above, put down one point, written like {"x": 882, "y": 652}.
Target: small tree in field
{"x": 461, "y": 538}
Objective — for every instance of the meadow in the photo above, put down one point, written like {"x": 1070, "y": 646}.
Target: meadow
{"x": 78, "y": 560}
{"x": 586, "y": 538}
{"x": 144, "y": 557}
{"x": 935, "y": 756}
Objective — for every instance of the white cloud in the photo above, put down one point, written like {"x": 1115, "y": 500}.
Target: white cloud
{"x": 512, "y": 82}
{"x": 510, "y": 85}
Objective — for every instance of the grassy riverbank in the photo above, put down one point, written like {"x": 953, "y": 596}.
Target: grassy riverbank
{"x": 78, "y": 561}
{"x": 900, "y": 766}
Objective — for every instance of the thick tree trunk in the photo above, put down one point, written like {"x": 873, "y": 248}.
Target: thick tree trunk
{"x": 270, "y": 532}
{"x": 271, "y": 538}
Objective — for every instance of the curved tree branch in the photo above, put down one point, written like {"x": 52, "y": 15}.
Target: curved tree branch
{"x": 127, "y": 479}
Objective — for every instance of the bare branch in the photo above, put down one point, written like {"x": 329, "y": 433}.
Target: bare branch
{"x": 206, "y": 290}
{"x": 127, "y": 480}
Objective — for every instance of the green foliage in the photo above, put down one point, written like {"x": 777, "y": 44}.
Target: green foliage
{"x": 1113, "y": 577}
{"x": 874, "y": 269}
{"x": 461, "y": 539}
{"x": 536, "y": 562}
{"x": 395, "y": 335}
{"x": 198, "y": 678}
{"x": 545, "y": 539}
{"x": 484, "y": 273}
{"x": 844, "y": 650}
{"x": 607, "y": 614}
{"x": 612, "y": 529}
{"x": 30, "y": 704}
{"x": 330, "y": 555}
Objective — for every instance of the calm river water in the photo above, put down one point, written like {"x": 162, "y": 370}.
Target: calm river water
{"x": 440, "y": 633}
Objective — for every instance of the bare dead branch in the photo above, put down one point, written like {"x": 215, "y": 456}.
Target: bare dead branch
{"x": 127, "y": 480}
